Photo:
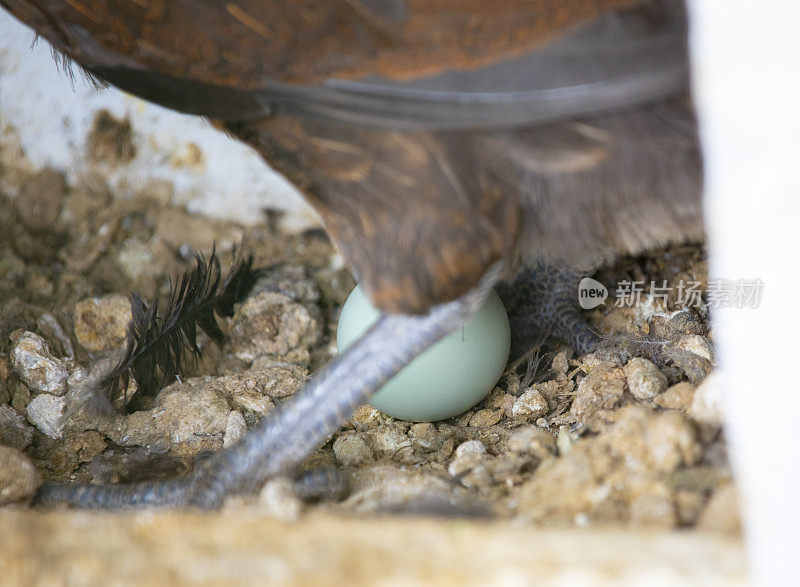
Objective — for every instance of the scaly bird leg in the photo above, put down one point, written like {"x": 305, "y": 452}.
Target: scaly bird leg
{"x": 542, "y": 302}
{"x": 285, "y": 439}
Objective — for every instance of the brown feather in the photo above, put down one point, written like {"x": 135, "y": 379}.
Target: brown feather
{"x": 247, "y": 43}
{"x": 419, "y": 214}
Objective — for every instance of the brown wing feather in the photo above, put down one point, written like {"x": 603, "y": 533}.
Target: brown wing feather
{"x": 609, "y": 185}
{"x": 246, "y": 43}
{"x": 421, "y": 215}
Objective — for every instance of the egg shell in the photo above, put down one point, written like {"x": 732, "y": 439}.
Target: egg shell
{"x": 448, "y": 378}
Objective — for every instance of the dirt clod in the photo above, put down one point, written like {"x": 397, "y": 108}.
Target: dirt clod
{"x": 19, "y": 479}
{"x": 101, "y": 323}
{"x": 272, "y": 324}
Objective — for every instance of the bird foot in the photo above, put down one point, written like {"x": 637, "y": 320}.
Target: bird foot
{"x": 542, "y": 303}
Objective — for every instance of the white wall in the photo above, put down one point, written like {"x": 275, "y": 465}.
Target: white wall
{"x": 746, "y": 75}
{"x": 41, "y": 114}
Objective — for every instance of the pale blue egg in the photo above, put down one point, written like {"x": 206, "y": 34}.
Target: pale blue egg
{"x": 447, "y": 379}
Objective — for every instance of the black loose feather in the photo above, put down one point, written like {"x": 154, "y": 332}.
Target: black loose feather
{"x": 159, "y": 341}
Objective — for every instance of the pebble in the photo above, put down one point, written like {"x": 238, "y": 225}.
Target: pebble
{"x": 653, "y": 510}
{"x": 470, "y": 447}
{"x": 694, "y": 366}
{"x": 279, "y": 500}
{"x": 677, "y": 397}
{"x": 697, "y": 345}
{"x": 85, "y": 198}
{"x": 722, "y": 512}
{"x": 19, "y": 479}
{"x": 485, "y": 418}
{"x": 671, "y": 327}
{"x": 272, "y": 324}
{"x": 40, "y": 199}
{"x": 366, "y": 418}
{"x": 45, "y": 412}
{"x": 101, "y": 324}
{"x": 291, "y": 281}
{"x": 34, "y": 364}
{"x": 278, "y": 379}
{"x": 14, "y": 430}
{"x": 73, "y": 450}
{"x": 502, "y": 401}
{"x": 110, "y": 139}
{"x": 644, "y": 379}
{"x": 390, "y": 442}
{"x": 707, "y": 404}
{"x": 550, "y": 389}
{"x": 530, "y": 440}
{"x": 159, "y": 191}
{"x": 252, "y": 391}
{"x": 234, "y": 429}
{"x": 686, "y": 322}
{"x": 530, "y": 404}
{"x": 597, "y": 396}
{"x": 471, "y": 468}
{"x": 351, "y": 450}
{"x": 425, "y": 436}
{"x": 385, "y": 488}
{"x": 597, "y": 360}
{"x": 137, "y": 259}
{"x": 177, "y": 229}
